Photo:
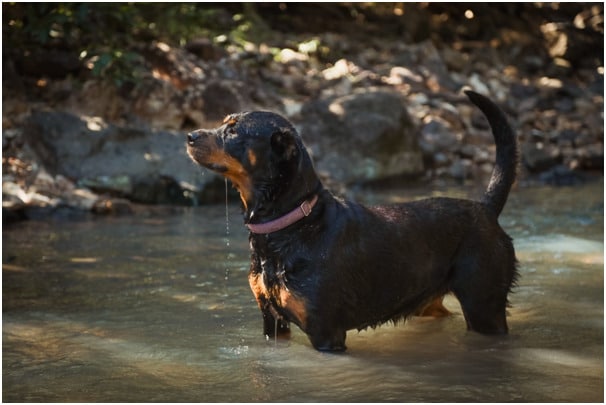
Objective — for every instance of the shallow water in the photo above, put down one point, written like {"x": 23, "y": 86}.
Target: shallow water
{"x": 158, "y": 308}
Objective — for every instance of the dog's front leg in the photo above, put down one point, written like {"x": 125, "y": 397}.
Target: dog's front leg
{"x": 274, "y": 325}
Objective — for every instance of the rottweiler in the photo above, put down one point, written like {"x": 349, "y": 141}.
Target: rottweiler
{"x": 329, "y": 265}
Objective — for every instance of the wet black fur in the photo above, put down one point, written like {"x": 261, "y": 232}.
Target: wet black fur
{"x": 355, "y": 266}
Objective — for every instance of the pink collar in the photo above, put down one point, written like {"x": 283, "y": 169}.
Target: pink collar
{"x": 293, "y": 216}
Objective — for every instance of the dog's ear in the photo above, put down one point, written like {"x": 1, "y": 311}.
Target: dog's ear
{"x": 284, "y": 144}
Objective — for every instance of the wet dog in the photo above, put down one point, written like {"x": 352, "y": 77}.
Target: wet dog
{"x": 330, "y": 265}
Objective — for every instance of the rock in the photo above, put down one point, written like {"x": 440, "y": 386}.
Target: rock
{"x": 144, "y": 165}
{"x": 478, "y": 84}
{"x": 591, "y": 157}
{"x": 222, "y": 98}
{"x": 429, "y": 63}
{"x": 340, "y": 69}
{"x": 205, "y": 49}
{"x": 461, "y": 169}
{"x": 400, "y": 75}
{"x": 436, "y": 136}
{"x": 183, "y": 90}
{"x": 159, "y": 104}
{"x": 112, "y": 206}
{"x": 116, "y": 185}
{"x": 454, "y": 59}
{"x": 362, "y": 137}
{"x": 561, "y": 175}
{"x": 15, "y": 195}
{"x": 540, "y": 157}
{"x": 61, "y": 140}
{"x": 289, "y": 56}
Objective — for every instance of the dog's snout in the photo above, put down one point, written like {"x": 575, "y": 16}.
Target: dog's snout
{"x": 192, "y": 137}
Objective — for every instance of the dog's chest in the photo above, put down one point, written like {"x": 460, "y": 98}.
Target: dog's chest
{"x": 273, "y": 281}
{"x": 269, "y": 262}
{"x": 269, "y": 281}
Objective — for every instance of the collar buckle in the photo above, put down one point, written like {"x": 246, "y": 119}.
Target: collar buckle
{"x": 306, "y": 208}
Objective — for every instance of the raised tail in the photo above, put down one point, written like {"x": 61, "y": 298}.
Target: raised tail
{"x": 504, "y": 172}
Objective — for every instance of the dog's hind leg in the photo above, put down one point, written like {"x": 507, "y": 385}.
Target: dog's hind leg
{"x": 481, "y": 285}
{"x": 484, "y": 315}
{"x": 329, "y": 341}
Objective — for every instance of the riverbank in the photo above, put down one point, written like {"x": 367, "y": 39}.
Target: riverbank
{"x": 79, "y": 140}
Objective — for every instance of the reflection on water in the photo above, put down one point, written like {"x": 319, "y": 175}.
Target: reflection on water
{"x": 140, "y": 309}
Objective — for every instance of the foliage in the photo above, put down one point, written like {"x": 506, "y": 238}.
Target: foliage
{"x": 104, "y": 34}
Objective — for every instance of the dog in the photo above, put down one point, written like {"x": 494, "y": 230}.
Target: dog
{"x": 329, "y": 265}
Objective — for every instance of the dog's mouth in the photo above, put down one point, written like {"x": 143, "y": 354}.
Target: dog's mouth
{"x": 205, "y": 159}
{"x": 216, "y": 167}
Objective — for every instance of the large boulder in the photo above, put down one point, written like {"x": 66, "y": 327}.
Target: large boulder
{"x": 362, "y": 137}
{"x": 143, "y": 165}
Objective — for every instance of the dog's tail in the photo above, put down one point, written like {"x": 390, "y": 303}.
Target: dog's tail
{"x": 504, "y": 172}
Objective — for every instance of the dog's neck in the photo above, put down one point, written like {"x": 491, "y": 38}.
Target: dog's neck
{"x": 278, "y": 208}
{"x": 283, "y": 198}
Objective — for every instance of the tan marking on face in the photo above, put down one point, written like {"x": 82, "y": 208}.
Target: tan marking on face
{"x": 234, "y": 171}
{"x": 237, "y": 175}
{"x": 229, "y": 120}
{"x": 252, "y": 158}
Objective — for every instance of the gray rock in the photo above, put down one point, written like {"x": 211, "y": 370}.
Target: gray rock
{"x": 436, "y": 136}
{"x": 143, "y": 165}
{"x": 362, "y": 137}
{"x": 539, "y": 157}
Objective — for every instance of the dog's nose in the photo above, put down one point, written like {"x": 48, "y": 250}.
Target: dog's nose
{"x": 192, "y": 137}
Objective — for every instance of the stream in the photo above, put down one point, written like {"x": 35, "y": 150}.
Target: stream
{"x": 157, "y": 308}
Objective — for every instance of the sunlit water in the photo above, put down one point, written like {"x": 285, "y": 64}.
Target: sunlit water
{"x": 158, "y": 308}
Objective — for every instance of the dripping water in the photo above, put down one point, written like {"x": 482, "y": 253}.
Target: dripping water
{"x": 226, "y": 234}
{"x": 226, "y": 239}
{"x": 276, "y": 332}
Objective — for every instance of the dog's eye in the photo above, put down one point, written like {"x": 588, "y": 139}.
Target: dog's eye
{"x": 230, "y": 131}
{"x": 229, "y": 134}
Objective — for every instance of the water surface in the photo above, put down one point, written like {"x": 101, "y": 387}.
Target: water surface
{"x": 158, "y": 308}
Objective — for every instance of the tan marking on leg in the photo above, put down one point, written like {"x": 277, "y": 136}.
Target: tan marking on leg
{"x": 435, "y": 308}
{"x": 258, "y": 287}
{"x": 295, "y": 305}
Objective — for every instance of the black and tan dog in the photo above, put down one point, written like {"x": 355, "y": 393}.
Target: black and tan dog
{"x": 330, "y": 265}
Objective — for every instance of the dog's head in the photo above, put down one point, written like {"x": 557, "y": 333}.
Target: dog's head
{"x": 260, "y": 153}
